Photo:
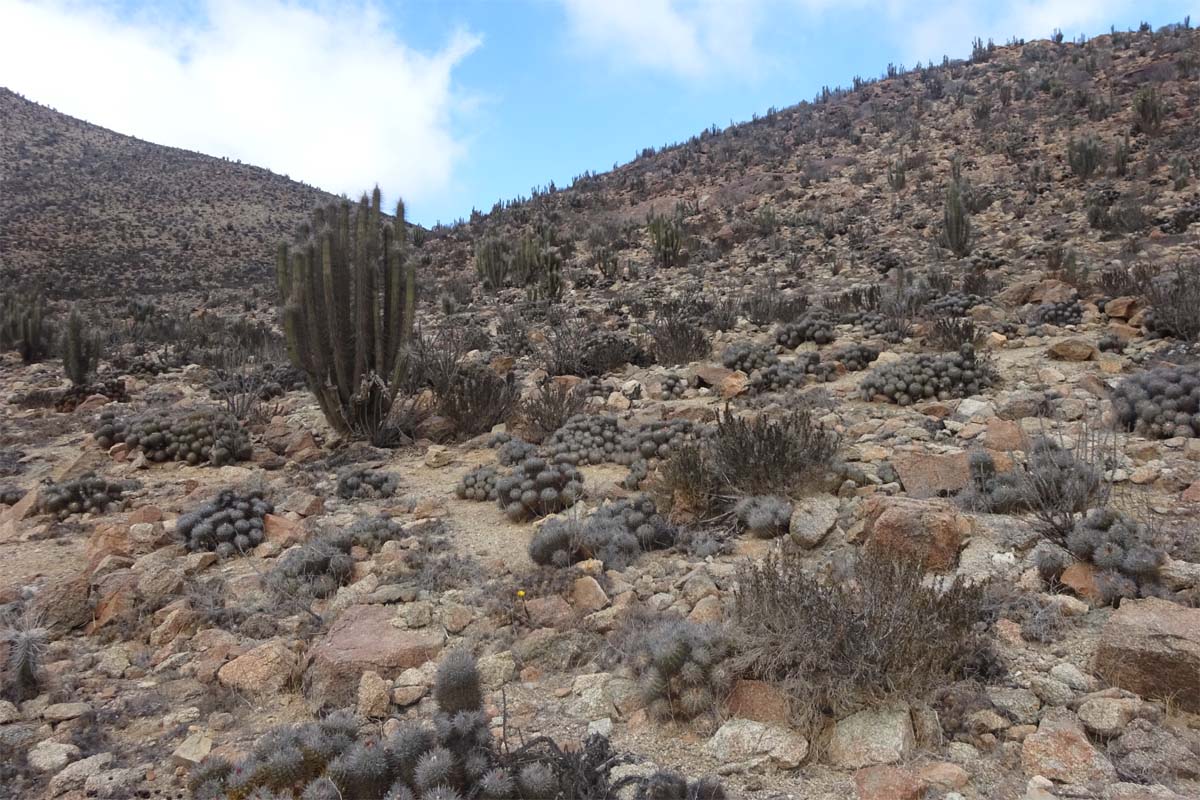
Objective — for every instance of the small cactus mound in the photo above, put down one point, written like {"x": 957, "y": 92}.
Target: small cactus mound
{"x": 230, "y": 524}
{"x": 672, "y": 387}
{"x": 367, "y": 484}
{"x": 585, "y": 439}
{"x": 514, "y": 450}
{"x": 954, "y": 303}
{"x": 83, "y": 495}
{"x": 479, "y": 485}
{"x": 76, "y": 393}
{"x": 680, "y": 668}
{"x": 1060, "y": 313}
{"x": 856, "y": 357}
{"x": 926, "y": 377}
{"x": 815, "y": 326}
{"x": 11, "y": 495}
{"x": 198, "y": 437}
{"x": 748, "y": 357}
{"x": 1161, "y": 403}
{"x": 765, "y": 516}
{"x": 1126, "y": 553}
{"x": 536, "y": 488}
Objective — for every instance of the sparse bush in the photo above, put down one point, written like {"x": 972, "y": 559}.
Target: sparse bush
{"x": 1174, "y": 298}
{"x": 478, "y": 399}
{"x": 951, "y": 333}
{"x": 841, "y": 645}
{"x": 676, "y": 340}
{"x": 548, "y": 408}
{"x": 1060, "y": 483}
{"x": 366, "y": 484}
{"x": 1084, "y": 156}
{"x": 762, "y": 456}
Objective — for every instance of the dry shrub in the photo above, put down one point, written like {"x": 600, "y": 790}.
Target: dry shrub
{"x": 762, "y": 456}
{"x": 478, "y": 399}
{"x": 548, "y": 408}
{"x": 676, "y": 340}
{"x": 841, "y": 645}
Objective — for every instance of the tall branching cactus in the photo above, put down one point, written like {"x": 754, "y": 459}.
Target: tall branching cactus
{"x": 349, "y": 300}
{"x": 22, "y": 327}
{"x": 80, "y": 350}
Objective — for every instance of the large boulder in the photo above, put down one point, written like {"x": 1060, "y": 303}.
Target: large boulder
{"x": 931, "y": 531}
{"x": 263, "y": 671}
{"x": 1152, "y": 647}
{"x": 1061, "y": 751}
{"x": 749, "y": 743}
{"x": 363, "y": 638}
{"x": 874, "y": 736}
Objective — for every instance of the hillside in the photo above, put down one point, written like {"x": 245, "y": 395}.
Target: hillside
{"x": 851, "y": 452}
{"x": 86, "y": 212}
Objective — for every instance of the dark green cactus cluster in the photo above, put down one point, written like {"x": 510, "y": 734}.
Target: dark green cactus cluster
{"x": 748, "y": 357}
{"x": 323, "y": 564}
{"x": 513, "y": 449}
{"x": 196, "y": 437}
{"x": 926, "y": 377}
{"x": 366, "y": 484}
{"x": 349, "y": 303}
{"x": 491, "y": 264}
{"x": 24, "y": 328}
{"x": 815, "y": 326}
{"x": 76, "y": 393}
{"x": 86, "y": 494}
{"x": 599, "y": 439}
{"x": 11, "y": 495}
{"x": 536, "y": 488}
{"x": 990, "y": 491}
{"x": 616, "y": 534}
{"x": 1160, "y": 403}
{"x": 1126, "y": 552}
{"x": 791, "y": 374}
{"x": 80, "y": 350}
{"x": 663, "y": 785}
{"x": 764, "y": 516}
{"x": 667, "y": 240}
{"x": 873, "y": 323}
{"x": 856, "y": 357}
{"x": 595, "y": 386}
{"x": 1060, "y": 313}
{"x": 229, "y": 524}
{"x": 479, "y": 485}
{"x": 673, "y": 386}
{"x": 452, "y": 759}
{"x": 954, "y": 303}
{"x": 681, "y": 668}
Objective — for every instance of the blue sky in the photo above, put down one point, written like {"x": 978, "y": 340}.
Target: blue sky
{"x": 457, "y": 104}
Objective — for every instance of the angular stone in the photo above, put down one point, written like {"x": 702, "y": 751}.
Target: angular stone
{"x": 266, "y": 670}
{"x": 932, "y": 531}
{"x": 887, "y": 783}
{"x": 587, "y": 595}
{"x": 1152, "y": 648}
{"x": 743, "y": 740}
{"x": 194, "y": 749}
{"x": 758, "y": 701}
{"x": 930, "y": 474}
{"x": 363, "y": 638}
{"x": 873, "y": 736}
{"x": 1107, "y": 716}
{"x": 61, "y": 712}
{"x": 813, "y": 518}
{"x": 549, "y": 612}
{"x": 1073, "y": 350}
{"x": 1060, "y": 750}
{"x": 373, "y": 696}
{"x": 75, "y": 776}
{"x": 438, "y": 456}
{"x": 496, "y": 670}
{"x": 51, "y": 756}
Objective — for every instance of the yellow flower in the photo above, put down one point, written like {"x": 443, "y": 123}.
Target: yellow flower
{"x": 520, "y": 592}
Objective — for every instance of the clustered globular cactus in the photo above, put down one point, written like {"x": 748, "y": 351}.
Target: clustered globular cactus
{"x": 765, "y": 516}
{"x": 323, "y": 564}
{"x": 11, "y": 495}
{"x": 82, "y": 495}
{"x": 349, "y": 303}
{"x": 1060, "y": 313}
{"x": 990, "y": 491}
{"x": 592, "y": 439}
{"x": 198, "y": 437}
{"x": 664, "y": 785}
{"x": 815, "y": 326}
{"x": 672, "y": 386}
{"x": 479, "y": 485}
{"x": 856, "y": 357}
{"x": 231, "y": 523}
{"x": 954, "y": 303}
{"x": 926, "y": 377}
{"x": 680, "y": 667}
{"x": 536, "y": 488}
{"x": 787, "y": 375}
{"x": 513, "y": 449}
{"x": 748, "y": 357}
{"x": 615, "y": 534}
{"x": 1124, "y": 550}
{"x": 1160, "y": 403}
{"x": 366, "y": 484}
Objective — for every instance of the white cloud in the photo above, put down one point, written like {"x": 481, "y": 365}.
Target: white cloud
{"x": 687, "y": 38}
{"x": 325, "y": 93}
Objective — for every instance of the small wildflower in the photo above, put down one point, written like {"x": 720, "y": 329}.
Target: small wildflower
{"x": 521, "y": 593}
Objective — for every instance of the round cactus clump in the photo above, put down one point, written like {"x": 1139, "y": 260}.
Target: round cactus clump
{"x": 1126, "y": 552}
{"x": 781, "y": 376}
{"x": 198, "y": 437}
{"x": 585, "y": 439}
{"x": 654, "y": 440}
{"x": 10, "y": 495}
{"x": 1161, "y": 403}
{"x": 764, "y": 516}
{"x": 367, "y": 484}
{"x": 514, "y": 450}
{"x": 928, "y": 377}
{"x": 855, "y": 358}
{"x": 748, "y": 357}
{"x": 680, "y": 667}
{"x": 229, "y": 524}
{"x": 86, "y": 494}
{"x": 672, "y": 386}
{"x": 1060, "y": 313}
{"x": 815, "y": 326}
{"x": 536, "y": 488}
{"x": 954, "y": 303}
{"x": 479, "y": 485}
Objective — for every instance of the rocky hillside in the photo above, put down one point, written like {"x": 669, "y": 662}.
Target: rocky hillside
{"x": 86, "y": 212}
{"x": 850, "y": 453}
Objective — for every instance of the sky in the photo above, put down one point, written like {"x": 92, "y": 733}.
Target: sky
{"x": 455, "y": 104}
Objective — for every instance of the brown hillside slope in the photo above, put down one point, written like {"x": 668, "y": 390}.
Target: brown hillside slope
{"x": 88, "y": 212}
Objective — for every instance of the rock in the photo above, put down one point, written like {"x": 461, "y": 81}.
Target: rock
{"x": 456, "y": 617}
{"x": 438, "y": 456}
{"x": 931, "y": 531}
{"x": 874, "y": 736}
{"x": 8, "y": 713}
{"x": 1152, "y": 648}
{"x": 587, "y": 594}
{"x": 62, "y": 604}
{"x": 374, "y": 696}
{"x": 600, "y": 727}
{"x": 74, "y": 776}
{"x": 931, "y": 475}
{"x": 1136, "y": 791}
{"x": 743, "y": 740}
{"x": 887, "y": 783}
{"x": 602, "y": 694}
{"x": 281, "y": 530}
{"x": 758, "y": 701}
{"x": 61, "y": 712}
{"x": 1073, "y": 350}
{"x": 944, "y": 776}
{"x": 1060, "y": 750}
{"x": 707, "y": 610}
{"x": 496, "y": 670}
{"x": 1156, "y": 753}
{"x": 117, "y": 784}
{"x": 1121, "y": 307}
{"x": 1107, "y": 716}
{"x": 268, "y": 669}
{"x": 1071, "y": 675}
{"x": 711, "y": 375}
{"x": 699, "y": 585}
{"x": 363, "y": 638}
{"x": 51, "y": 756}
{"x": 194, "y": 749}
{"x": 813, "y": 518}
{"x": 1021, "y": 705}
{"x": 734, "y": 384}
{"x": 549, "y": 612}
{"x": 617, "y": 401}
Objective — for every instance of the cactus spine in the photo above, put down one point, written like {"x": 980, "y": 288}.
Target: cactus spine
{"x": 349, "y": 301}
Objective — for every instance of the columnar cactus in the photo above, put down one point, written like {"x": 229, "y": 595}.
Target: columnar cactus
{"x": 349, "y": 301}
{"x": 80, "y": 351}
